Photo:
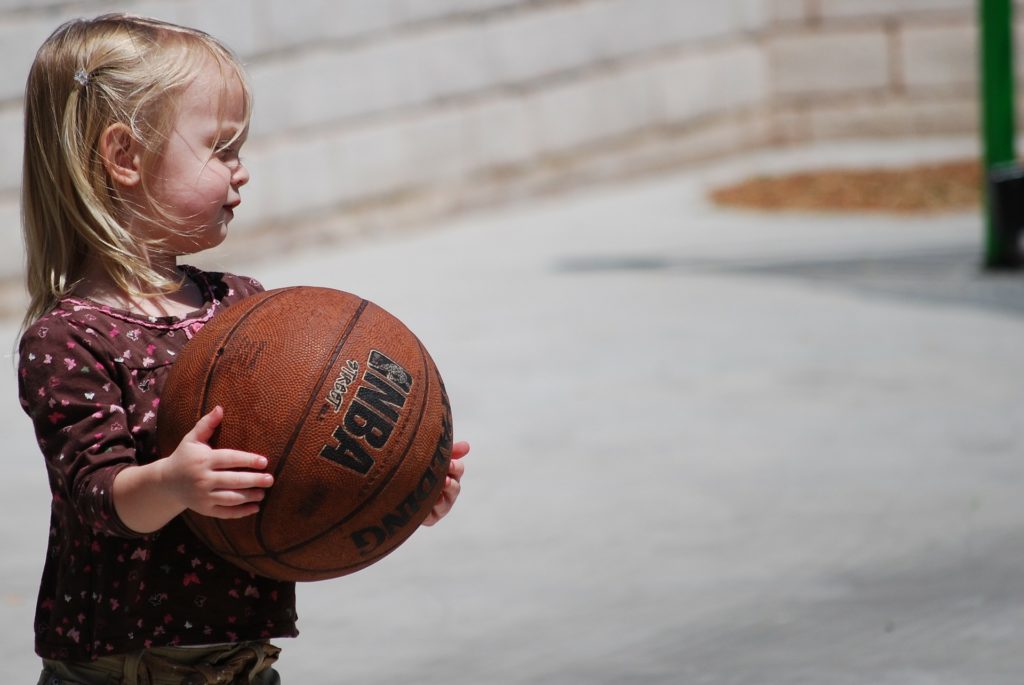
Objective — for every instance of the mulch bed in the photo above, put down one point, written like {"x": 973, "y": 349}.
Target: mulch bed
{"x": 924, "y": 188}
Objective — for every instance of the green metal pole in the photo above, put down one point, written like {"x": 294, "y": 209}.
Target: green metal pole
{"x": 998, "y": 111}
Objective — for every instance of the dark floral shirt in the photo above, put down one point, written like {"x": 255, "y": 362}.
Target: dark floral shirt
{"x": 90, "y": 379}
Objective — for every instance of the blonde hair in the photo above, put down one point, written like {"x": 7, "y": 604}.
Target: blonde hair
{"x": 87, "y": 76}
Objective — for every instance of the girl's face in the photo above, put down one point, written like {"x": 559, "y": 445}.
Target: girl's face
{"x": 199, "y": 173}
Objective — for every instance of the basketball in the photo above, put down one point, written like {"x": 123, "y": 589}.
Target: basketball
{"x": 348, "y": 408}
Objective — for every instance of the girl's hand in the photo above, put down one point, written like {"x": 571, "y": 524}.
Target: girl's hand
{"x": 221, "y": 483}
{"x": 452, "y": 486}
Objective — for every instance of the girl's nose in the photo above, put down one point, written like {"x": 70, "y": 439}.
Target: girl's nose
{"x": 240, "y": 176}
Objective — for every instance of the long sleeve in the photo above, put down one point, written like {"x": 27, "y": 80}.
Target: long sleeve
{"x": 79, "y": 419}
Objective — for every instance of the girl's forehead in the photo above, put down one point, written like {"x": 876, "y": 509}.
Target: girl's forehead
{"x": 217, "y": 93}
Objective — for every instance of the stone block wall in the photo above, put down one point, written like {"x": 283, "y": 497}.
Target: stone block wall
{"x": 371, "y": 114}
{"x": 874, "y": 67}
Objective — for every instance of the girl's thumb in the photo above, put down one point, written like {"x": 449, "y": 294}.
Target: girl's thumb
{"x": 205, "y": 426}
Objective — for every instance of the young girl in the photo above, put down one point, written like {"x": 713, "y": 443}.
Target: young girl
{"x": 133, "y": 131}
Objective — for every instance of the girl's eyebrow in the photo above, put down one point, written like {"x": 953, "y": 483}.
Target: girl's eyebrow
{"x": 230, "y": 131}
{"x": 230, "y": 134}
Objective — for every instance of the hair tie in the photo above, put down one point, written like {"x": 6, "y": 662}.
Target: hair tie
{"x": 82, "y": 77}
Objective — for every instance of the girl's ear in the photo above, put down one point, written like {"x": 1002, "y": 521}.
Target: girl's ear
{"x": 121, "y": 155}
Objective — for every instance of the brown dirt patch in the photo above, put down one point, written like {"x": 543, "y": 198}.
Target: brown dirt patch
{"x": 925, "y": 188}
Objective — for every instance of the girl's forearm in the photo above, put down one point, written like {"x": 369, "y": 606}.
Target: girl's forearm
{"x": 142, "y": 500}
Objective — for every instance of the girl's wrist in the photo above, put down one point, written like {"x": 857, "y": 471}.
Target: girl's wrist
{"x": 143, "y": 499}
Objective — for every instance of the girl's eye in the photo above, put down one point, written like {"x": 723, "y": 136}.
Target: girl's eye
{"x": 229, "y": 155}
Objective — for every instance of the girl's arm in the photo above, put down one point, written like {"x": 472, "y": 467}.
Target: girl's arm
{"x": 77, "y": 408}
{"x": 81, "y": 426}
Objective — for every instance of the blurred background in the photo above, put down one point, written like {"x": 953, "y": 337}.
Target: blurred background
{"x": 719, "y": 435}
{"x": 375, "y": 114}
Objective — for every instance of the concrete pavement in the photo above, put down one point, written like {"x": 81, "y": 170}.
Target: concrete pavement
{"x": 708, "y": 447}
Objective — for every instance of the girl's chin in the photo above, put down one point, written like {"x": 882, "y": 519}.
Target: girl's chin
{"x": 207, "y": 239}
{"x": 215, "y": 237}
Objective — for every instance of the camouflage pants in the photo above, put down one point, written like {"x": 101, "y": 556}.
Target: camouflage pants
{"x": 242, "y": 664}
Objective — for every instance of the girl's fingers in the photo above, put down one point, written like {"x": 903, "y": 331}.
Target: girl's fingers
{"x": 234, "y": 498}
{"x": 456, "y": 469}
{"x": 452, "y": 488}
{"x": 233, "y": 512}
{"x": 226, "y": 460}
{"x": 240, "y": 480}
{"x": 444, "y": 503}
{"x": 232, "y": 504}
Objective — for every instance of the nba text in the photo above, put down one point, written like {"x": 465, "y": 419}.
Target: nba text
{"x": 371, "y": 415}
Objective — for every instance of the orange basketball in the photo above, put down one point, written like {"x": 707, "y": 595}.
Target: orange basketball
{"x": 348, "y": 408}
